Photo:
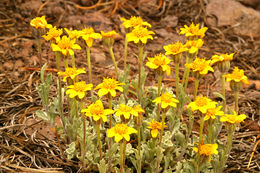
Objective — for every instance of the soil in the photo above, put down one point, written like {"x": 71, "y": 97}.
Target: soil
{"x": 28, "y": 144}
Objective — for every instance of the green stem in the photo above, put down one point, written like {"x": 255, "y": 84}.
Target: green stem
{"x": 223, "y": 92}
{"x": 73, "y": 61}
{"x": 125, "y": 54}
{"x": 197, "y": 166}
{"x": 140, "y": 64}
{"x": 210, "y": 130}
{"x": 187, "y": 74}
{"x": 201, "y": 129}
{"x": 66, "y": 64}
{"x": 110, "y": 139}
{"x": 236, "y": 101}
{"x": 122, "y": 157}
{"x": 160, "y": 141}
{"x": 99, "y": 140}
{"x": 89, "y": 70}
{"x": 139, "y": 150}
{"x": 163, "y": 121}
{"x": 196, "y": 88}
{"x": 59, "y": 91}
{"x": 84, "y": 135}
{"x": 177, "y": 79}
{"x": 113, "y": 59}
{"x": 158, "y": 95}
{"x": 230, "y": 131}
{"x": 39, "y": 46}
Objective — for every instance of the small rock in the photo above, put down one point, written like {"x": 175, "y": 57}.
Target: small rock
{"x": 8, "y": 65}
{"x": 169, "y": 21}
{"x": 19, "y": 63}
{"x": 252, "y": 3}
{"x": 245, "y": 21}
{"x": 169, "y": 37}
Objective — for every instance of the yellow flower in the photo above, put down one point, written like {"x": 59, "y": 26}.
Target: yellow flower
{"x": 40, "y": 22}
{"x": 134, "y": 22}
{"x": 126, "y": 111}
{"x": 120, "y": 131}
{"x": 139, "y": 35}
{"x": 237, "y": 76}
{"x": 108, "y": 37}
{"x": 207, "y": 150}
{"x": 96, "y": 111}
{"x": 74, "y": 34}
{"x": 53, "y": 34}
{"x": 78, "y": 89}
{"x": 193, "y": 31}
{"x": 88, "y": 34}
{"x": 212, "y": 112}
{"x": 65, "y": 46}
{"x": 221, "y": 58}
{"x": 194, "y": 45}
{"x": 71, "y": 73}
{"x": 138, "y": 109}
{"x": 200, "y": 65}
{"x": 109, "y": 34}
{"x": 175, "y": 48}
{"x": 156, "y": 127}
{"x": 159, "y": 62}
{"x": 202, "y": 104}
{"x": 233, "y": 118}
{"x": 166, "y": 99}
{"x": 109, "y": 86}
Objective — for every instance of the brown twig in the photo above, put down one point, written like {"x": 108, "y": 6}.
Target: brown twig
{"x": 44, "y": 4}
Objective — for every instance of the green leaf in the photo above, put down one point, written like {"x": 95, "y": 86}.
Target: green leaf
{"x": 102, "y": 166}
{"x": 217, "y": 94}
{"x": 42, "y": 115}
{"x": 42, "y": 72}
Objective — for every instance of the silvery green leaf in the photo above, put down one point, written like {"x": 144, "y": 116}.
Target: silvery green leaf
{"x": 180, "y": 138}
{"x": 49, "y": 79}
{"x": 217, "y": 94}
{"x": 42, "y": 115}
{"x": 102, "y": 166}
{"x": 71, "y": 150}
{"x": 42, "y": 72}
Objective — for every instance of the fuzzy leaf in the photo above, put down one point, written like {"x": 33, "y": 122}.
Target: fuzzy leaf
{"x": 42, "y": 115}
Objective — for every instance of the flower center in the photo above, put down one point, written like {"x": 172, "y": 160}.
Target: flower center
{"x": 70, "y": 71}
{"x": 201, "y": 101}
{"x": 80, "y": 86}
{"x": 136, "y": 21}
{"x": 193, "y": 29}
{"x": 97, "y": 109}
{"x": 199, "y": 64}
{"x": 125, "y": 108}
{"x": 121, "y": 129}
{"x": 65, "y": 43}
{"x": 159, "y": 60}
{"x": 109, "y": 84}
{"x": 166, "y": 97}
{"x": 211, "y": 112}
{"x": 155, "y": 125}
{"x": 140, "y": 32}
{"x": 237, "y": 75}
{"x": 206, "y": 150}
{"x": 87, "y": 31}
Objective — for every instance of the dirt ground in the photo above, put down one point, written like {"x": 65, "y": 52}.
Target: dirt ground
{"x": 28, "y": 144}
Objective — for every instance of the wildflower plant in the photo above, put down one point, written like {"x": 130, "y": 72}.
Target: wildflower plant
{"x": 88, "y": 35}
{"x": 175, "y": 51}
{"x": 149, "y": 131}
{"x": 223, "y": 63}
{"x": 236, "y": 79}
